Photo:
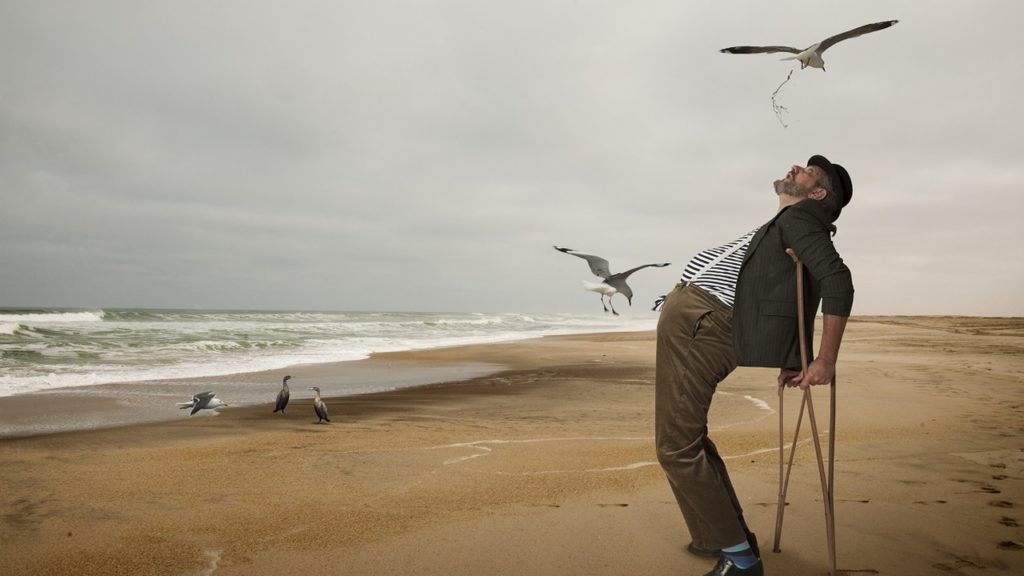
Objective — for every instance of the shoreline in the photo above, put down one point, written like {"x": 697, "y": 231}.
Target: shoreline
{"x": 55, "y": 350}
{"x": 117, "y": 405}
{"x": 120, "y": 404}
{"x": 544, "y": 468}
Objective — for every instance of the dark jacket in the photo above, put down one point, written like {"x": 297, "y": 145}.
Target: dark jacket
{"x": 764, "y": 315}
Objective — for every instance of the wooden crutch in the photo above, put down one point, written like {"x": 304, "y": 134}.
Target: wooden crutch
{"x": 806, "y": 401}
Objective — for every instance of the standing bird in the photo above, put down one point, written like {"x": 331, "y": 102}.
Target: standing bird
{"x": 282, "y": 396}
{"x": 811, "y": 56}
{"x": 610, "y": 284}
{"x": 203, "y": 401}
{"x": 319, "y": 407}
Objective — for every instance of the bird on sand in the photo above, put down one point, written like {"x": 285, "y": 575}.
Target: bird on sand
{"x": 610, "y": 284}
{"x": 319, "y": 407}
{"x": 202, "y": 401}
{"x": 282, "y": 396}
{"x": 811, "y": 56}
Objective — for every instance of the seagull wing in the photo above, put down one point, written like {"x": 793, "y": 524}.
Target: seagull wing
{"x": 860, "y": 30}
{"x": 618, "y": 281}
{"x": 598, "y": 265}
{"x": 623, "y": 275}
{"x": 201, "y": 401}
{"x": 759, "y": 49}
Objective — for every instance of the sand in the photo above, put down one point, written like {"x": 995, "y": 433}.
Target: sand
{"x": 546, "y": 466}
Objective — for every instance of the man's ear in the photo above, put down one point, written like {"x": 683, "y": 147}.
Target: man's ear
{"x": 818, "y": 193}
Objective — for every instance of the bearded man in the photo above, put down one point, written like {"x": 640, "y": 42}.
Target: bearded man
{"x": 736, "y": 305}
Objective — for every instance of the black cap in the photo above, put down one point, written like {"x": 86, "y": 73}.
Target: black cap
{"x": 837, "y": 175}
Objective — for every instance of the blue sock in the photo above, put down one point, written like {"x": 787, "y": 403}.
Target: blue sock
{"x": 742, "y": 555}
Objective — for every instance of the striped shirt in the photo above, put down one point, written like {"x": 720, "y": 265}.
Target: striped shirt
{"x": 716, "y": 270}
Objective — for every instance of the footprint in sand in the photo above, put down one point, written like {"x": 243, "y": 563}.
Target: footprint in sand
{"x": 1001, "y": 504}
{"x": 960, "y": 562}
{"x": 1007, "y": 521}
{"x": 1010, "y": 545}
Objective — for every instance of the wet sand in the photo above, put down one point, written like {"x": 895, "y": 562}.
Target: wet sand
{"x": 545, "y": 466}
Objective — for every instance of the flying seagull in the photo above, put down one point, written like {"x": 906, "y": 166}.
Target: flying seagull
{"x": 282, "y": 396}
{"x": 319, "y": 407}
{"x": 203, "y": 401}
{"x": 610, "y": 284}
{"x": 811, "y": 56}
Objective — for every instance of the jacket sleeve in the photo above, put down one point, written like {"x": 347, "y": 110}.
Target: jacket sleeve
{"x": 804, "y": 227}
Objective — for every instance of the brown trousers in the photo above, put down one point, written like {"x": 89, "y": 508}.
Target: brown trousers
{"x": 695, "y": 353}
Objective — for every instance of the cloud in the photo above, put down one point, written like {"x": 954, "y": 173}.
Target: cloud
{"x": 426, "y": 155}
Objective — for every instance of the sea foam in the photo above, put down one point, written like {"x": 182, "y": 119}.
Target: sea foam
{"x": 31, "y": 318}
{"x": 42, "y": 350}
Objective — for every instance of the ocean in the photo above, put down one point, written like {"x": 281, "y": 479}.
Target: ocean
{"x": 43, "y": 350}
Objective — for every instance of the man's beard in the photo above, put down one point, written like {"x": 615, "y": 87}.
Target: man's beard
{"x": 791, "y": 188}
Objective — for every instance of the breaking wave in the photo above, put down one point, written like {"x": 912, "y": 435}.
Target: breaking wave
{"x": 45, "y": 349}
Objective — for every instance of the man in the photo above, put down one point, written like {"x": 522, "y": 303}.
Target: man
{"x": 736, "y": 305}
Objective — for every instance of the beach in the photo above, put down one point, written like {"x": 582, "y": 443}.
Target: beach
{"x": 534, "y": 457}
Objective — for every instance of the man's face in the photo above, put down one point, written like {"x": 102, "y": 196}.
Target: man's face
{"x": 799, "y": 181}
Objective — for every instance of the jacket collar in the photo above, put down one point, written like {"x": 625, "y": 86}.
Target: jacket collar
{"x": 815, "y": 207}
{"x": 760, "y": 235}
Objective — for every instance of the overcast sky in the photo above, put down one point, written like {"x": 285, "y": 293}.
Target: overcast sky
{"x": 426, "y": 154}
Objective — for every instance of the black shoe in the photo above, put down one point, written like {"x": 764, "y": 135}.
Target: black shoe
{"x": 725, "y": 567}
{"x": 692, "y": 548}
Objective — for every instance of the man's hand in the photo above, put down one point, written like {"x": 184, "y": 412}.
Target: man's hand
{"x": 821, "y": 371}
{"x": 786, "y": 377}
